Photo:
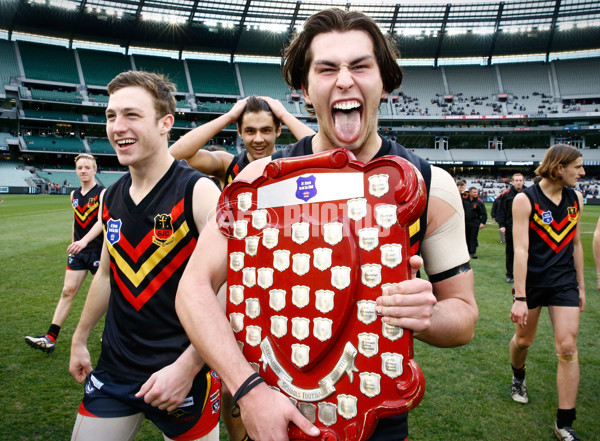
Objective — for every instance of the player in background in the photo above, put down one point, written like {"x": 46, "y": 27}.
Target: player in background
{"x": 84, "y": 251}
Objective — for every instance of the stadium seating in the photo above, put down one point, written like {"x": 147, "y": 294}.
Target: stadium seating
{"x": 213, "y": 77}
{"x": 100, "y": 67}
{"x": 54, "y": 144}
{"x": 265, "y": 79}
{"x": 8, "y": 64}
{"x": 11, "y": 175}
{"x": 60, "y": 177}
{"x": 56, "y": 95}
{"x": 52, "y": 115}
{"x": 100, "y": 146}
{"x": 49, "y": 63}
{"x": 108, "y": 178}
{"x": 171, "y": 68}
{"x": 578, "y": 77}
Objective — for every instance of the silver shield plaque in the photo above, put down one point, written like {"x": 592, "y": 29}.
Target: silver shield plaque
{"x": 277, "y": 299}
{"x": 357, "y": 208}
{"x": 385, "y": 215}
{"x": 322, "y": 328}
{"x": 265, "y": 277}
{"x": 251, "y": 245}
{"x": 300, "y": 232}
{"x": 237, "y": 321}
{"x": 371, "y": 274}
{"x": 300, "y": 295}
{"x": 368, "y": 344}
{"x": 236, "y": 294}
{"x": 244, "y": 201}
{"x": 253, "y": 335}
{"x": 365, "y": 311}
{"x": 260, "y": 218}
{"x": 279, "y": 325}
{"x": 252, "y": 308}
{"x": 324, "y": 300}
{"x": 347, "y": 406}
{"x": 281, "y": 260}
{"x": 322, "y": 258}
{"x": 384, "y": 286}
{"x": 327, "y": 413}
{"x": 300, "y": 327}
{"x": 270, "y": 238}
{"x": 300, "y": 354}
{"x": 368, "y": 238}
{"x": 379, "y": 185}
{"x": 333, "y": 233}
{"x": 249, "y": 277}
{"x": 308, "y": 410}
{"x": 240, "y": 229}
{"x": 370, "y": 384}
{"x": 391, "y": 364}
{"x": 391, "y": 332}
{"x": 301, "y": 263}
{"x": 391, "y": 254}
{"x": 340, "y": 277}
{"x": 236, "y": 260}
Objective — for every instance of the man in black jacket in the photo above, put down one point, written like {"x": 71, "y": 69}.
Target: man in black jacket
{"x": 505, "y": 220}
{"x": 475, "y": 219}
{"x": 495, "y": 209}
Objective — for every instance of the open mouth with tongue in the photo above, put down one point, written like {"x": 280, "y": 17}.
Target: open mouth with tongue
{"x": 347, "y": 120}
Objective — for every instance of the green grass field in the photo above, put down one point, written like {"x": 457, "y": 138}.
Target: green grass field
{"x": 467, "y": 388}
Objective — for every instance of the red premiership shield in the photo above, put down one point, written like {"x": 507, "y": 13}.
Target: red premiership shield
{"x": 312, "y": 243}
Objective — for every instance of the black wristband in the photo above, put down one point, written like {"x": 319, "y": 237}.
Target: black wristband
{"x": 520, "y": 299}
{"x": 251, "y": 382}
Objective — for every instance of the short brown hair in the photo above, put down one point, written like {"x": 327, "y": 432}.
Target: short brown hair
{"x": 255, "y": 104}
{"x": 158, "y": 86}
{"x": 86, "y": 156}
{"x": 556, "y": 155}
{"x": 297, "y": 55}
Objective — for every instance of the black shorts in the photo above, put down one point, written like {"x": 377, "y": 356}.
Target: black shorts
{"x": 106, "y": 396}
{"x": 564, "y": 295}
{"x": 84, "y": 261}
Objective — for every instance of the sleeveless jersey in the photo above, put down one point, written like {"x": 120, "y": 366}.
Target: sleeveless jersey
{"x": 417, "y": 230}
{"x": 85, "y": 210}
{"x": 236, "y": 165}
{"x": 551, "y": 232}
{"x": 395, "y": 427}
{"x": 149, "y": 246}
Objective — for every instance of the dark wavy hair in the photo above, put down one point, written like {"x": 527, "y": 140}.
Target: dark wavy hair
{"x": 255, "y": 104}
{"x": 556, "y": 155}
{"x": 297, "y": 55}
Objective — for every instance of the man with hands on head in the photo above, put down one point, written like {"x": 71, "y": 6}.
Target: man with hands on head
{"x": 258, "y": 122}
{"x": 151, "y": 217}
{"x": 344, "y": 66}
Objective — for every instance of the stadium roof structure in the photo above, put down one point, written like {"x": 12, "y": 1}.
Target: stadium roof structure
{"x": 434, "y": 30}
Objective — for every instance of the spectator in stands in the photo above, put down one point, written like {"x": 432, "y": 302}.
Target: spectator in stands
{"x": 152, "y": 217}
{"x": 505, "y": 220}
{"x": 84, "y": 251}
{"x": 494, "y": 213}
{"x": 549, "y": 272}
{"x": 475, "y": 219}
{"x": 344, "y": 65}
{"x": 259, "y": 124}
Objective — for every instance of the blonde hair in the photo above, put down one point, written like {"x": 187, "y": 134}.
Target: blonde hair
{"x": 86, "y": 156}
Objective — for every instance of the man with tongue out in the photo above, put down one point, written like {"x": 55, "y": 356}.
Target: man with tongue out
{"x": 344, "y": 66}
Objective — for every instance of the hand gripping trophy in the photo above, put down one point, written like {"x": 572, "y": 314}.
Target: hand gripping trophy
{"x": 312, "y": 244}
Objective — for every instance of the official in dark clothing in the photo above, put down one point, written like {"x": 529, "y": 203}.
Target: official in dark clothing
{"x": 494, "y": 213}
{"x": 505, "y": 220}
{"x": 475, "y": 219}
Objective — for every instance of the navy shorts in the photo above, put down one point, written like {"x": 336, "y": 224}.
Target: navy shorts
{"x": 106, "y": 396}
{"x": 564, "y": 295}
{"x": 84, "y": 261}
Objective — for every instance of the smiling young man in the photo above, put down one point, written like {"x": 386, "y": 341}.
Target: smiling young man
{"x": 548, "y": 272}
{"x": 259, "y": 124}
{"x": 151, "y": 217}
{"x": 84, "y": 250}
{"x": 344, "y": 66}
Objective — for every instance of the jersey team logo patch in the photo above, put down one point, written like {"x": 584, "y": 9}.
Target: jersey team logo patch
{"x": 547, "y": 217}
{"x": 113, "y": 231}
{"x": 163, "y": 229}
{"x": 572, "y": 213}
